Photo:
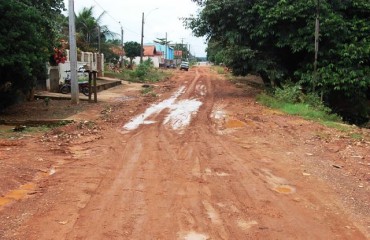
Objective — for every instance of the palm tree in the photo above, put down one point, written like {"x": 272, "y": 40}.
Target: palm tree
{"x": 87, "y": 29}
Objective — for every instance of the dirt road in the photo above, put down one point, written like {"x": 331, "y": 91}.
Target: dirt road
{"x": 204, "y": 161}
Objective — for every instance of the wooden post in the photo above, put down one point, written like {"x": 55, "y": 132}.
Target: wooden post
{"x": 95, "y": 88}
{"x": 317, "y": 35}
{"x": 90, "y": 82}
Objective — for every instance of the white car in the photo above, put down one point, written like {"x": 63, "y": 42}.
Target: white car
{"x": 184, "y": 66}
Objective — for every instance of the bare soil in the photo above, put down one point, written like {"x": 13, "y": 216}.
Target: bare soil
{"x": 202, "y": 160}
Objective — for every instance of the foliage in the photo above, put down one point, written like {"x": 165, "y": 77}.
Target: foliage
{"x": 148, "y": 91}
{"x": 162, "y": 41}
{"x": 132, "y": 50}
{"x": 144, "y": 72}
{"x": 89, "y": 29}
{"x": 302, "y": 109}
{"x": 28, "y": 33}
{"x": 59, "y": 56}
{"x": 143, "y": 69}
{"x": 275, "y": 39}
{"x": 109, "y": 47}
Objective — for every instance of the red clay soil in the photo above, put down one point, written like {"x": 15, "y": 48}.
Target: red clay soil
{"x": 224, "y": 168}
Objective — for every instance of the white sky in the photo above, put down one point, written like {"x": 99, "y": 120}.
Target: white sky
{"x": 157, "y": 23}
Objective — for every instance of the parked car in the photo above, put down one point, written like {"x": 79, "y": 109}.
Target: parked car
{"x": 184, "y": 66}
{"x": 171, "y": 65}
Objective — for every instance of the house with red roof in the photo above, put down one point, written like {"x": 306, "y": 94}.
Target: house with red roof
{"x": 150, "y": 51}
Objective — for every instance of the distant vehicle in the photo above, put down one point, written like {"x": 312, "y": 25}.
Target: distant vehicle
{"x": 184, "y": 66}
{"x": 171, "y": 65}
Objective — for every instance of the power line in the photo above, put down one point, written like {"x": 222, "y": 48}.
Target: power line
{"x": 107, "y": 12}
{"x": 114, "y": 19}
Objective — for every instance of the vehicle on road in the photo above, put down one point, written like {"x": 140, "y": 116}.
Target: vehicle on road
{"x": 184, "y": 66}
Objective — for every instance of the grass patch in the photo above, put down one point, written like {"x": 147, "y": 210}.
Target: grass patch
{"x": 356, "y": 136}
{"x": 300, "y": 109}
{"x": 148, "y": 91}
{"x": 7, "y": 132}
{"x": 219, "y": 69}
{"x": 144, "y": 72}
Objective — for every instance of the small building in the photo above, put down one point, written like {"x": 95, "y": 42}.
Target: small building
{"x": 168, "y": 53}
{"x": 150, "y": 51}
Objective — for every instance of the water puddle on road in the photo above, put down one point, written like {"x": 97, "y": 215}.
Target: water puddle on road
{"x": 284, "y": 189}
{"x": 24, "y": 190}
{"x": 278, "y": 184}
{"x": 234, "y": 123}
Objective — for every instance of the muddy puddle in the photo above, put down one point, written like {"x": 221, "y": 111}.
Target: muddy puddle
{"x": 25, "y": 190}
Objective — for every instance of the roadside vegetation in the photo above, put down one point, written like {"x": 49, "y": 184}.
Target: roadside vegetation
{"x": 22, "y": 131}
{"x": 290, "y": 99}
{"x": 276, "y": 41}
{"x": 144, "y": 72}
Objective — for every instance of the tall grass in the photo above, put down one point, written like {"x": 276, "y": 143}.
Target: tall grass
{"x": 291, "y": 100}
{"x": 144, "y": 72}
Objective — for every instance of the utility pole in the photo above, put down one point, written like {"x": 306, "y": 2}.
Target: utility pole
{"x": 165, "y": 50}
{"x": 182, "y": 48}
{"x": 142, "y": 39}
{"x": 73, "y": 53}
{"x": 317, "y": 34}
{"x": 122, "y": 46}
{"x": 189, "y": 54}
{"x": 99, "y": 40}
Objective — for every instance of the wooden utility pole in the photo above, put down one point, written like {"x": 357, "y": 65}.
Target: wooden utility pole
{"x": 142, "y": 39}
{"x": 123, "y": 48}
{"x": 99, "y": 40}
{"x": 317, "y": 34}
{"x": 73, "y": 54}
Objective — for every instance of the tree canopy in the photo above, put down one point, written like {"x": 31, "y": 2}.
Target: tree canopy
{"x": 275, "y": 39}
{"x": 90, "y": 28}
{"x": 28, "y": 33}
{"x": 132, "y": 50}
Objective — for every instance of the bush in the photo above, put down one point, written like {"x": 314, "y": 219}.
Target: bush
{"x": 292, "y": 100}
{"x": 143, "y": 69}
{"x": 288, "y": 93}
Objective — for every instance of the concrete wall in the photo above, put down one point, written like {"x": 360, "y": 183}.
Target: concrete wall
{"x": 84, "y": 59}
{"x": 156, "y": 60}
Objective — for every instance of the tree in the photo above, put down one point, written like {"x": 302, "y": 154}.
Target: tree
{"x": 28, "y": 34}
{"x": 109, "y": 48}
{"x": 275, "y": 39}
{"x": 162, "y": 41}
{"x": 87, "y": 28}
{"x": 132, "y": 50}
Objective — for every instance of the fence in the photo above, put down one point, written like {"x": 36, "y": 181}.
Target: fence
{"x": 88, "y": 60}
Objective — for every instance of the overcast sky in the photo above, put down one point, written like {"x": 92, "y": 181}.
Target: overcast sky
{"x": 161, "y": 16}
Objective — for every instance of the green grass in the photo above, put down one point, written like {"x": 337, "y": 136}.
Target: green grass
{"x": 152, "y": 75}
{"x": 9, "y": 133}
{"x": 299, "y": 109}
{"x": 148, "y": 91}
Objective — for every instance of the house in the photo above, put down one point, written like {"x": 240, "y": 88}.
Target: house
{"x": 169, "y": 52}
{"x": 150, "y": 51}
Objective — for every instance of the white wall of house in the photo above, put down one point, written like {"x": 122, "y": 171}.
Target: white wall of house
{"x": 85, "y": 59}
{"x": 156, "y": 60}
